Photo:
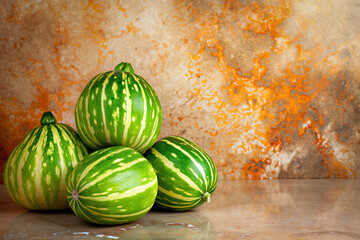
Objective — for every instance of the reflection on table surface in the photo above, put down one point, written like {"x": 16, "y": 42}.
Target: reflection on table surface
{"x": 271, "y": 209}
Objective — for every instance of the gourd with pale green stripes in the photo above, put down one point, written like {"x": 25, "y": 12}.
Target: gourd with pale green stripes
{"x": 186, "y": 174}
{"x": 119, "y": 108}
{"x": 113, "y": 185}
{"x": 35, "y": 172}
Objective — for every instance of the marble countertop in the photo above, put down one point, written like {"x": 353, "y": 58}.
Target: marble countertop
{"x": 269, "y": 209}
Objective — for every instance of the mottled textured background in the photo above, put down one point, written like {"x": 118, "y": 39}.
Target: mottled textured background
{"x": 270, "y": 89}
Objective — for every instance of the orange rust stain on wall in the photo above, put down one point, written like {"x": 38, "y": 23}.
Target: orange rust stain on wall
{"x": 292, "y": 93}
{"x": 102, "y": 38}
{"x": 338, "y": 167}
{"x": 23, "y": 120}
{"x": 97, "y": 6}
{"x": 242, "y": 91}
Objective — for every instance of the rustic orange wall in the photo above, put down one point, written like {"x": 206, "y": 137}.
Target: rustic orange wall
{"x": 270, "y": 89}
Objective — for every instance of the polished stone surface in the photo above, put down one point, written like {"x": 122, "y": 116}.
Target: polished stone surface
{"x": 268, "y": 209}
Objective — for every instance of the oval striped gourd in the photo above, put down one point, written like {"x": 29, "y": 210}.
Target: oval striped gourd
{"x": 35, "y": 172}
{"x": 187, "y": 176}
{"x": 119, "y": 108}
{"x": 113, "y": 185}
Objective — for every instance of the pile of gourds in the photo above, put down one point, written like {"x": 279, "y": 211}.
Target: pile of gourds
{"x": 112, "y": 171}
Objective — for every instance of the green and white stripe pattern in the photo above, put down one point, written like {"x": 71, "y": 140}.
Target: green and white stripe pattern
{"x": 119, "y": 108}
{"x": 36, "y": 170}
{"x": 186, "y": 174}
{"x": 113, "y": 185}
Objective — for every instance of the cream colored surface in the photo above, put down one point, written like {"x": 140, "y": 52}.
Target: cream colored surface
{"x": 271, "y": 209}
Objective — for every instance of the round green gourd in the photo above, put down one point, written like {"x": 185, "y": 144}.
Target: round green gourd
{"x": 187, "y": 176}
{"x": 35, "y": 172}
{"x": 113, "y": 185}
{"x": 119, "y": 108}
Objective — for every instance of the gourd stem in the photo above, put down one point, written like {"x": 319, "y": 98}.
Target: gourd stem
{"x": 124, "y": 67}
{"x": 47, "y": 118}
{"x": 206, "y": 197}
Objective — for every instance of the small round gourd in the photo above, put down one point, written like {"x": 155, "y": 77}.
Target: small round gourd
{"x": 119, "y": 108}
{"x": 187, "y": 176}
{"x": 114, "y": 185}
{"x": 35, "y": 172}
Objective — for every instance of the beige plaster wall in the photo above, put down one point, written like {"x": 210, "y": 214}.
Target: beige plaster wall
{"x": 270, "y": 89}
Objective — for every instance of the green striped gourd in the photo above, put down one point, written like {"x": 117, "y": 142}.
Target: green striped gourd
{"x": 119, "y": 108}
{"x": 187, "y": 176}
{"x": 113, "y": 185}
{"x": 35, "y": 172}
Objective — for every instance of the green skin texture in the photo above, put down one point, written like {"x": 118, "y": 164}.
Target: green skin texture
{"x": 35, "y": 172}
{"x": 180, "y": 164}
{"x": 114, "y": 185}
{"x": 119, "y": 108}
